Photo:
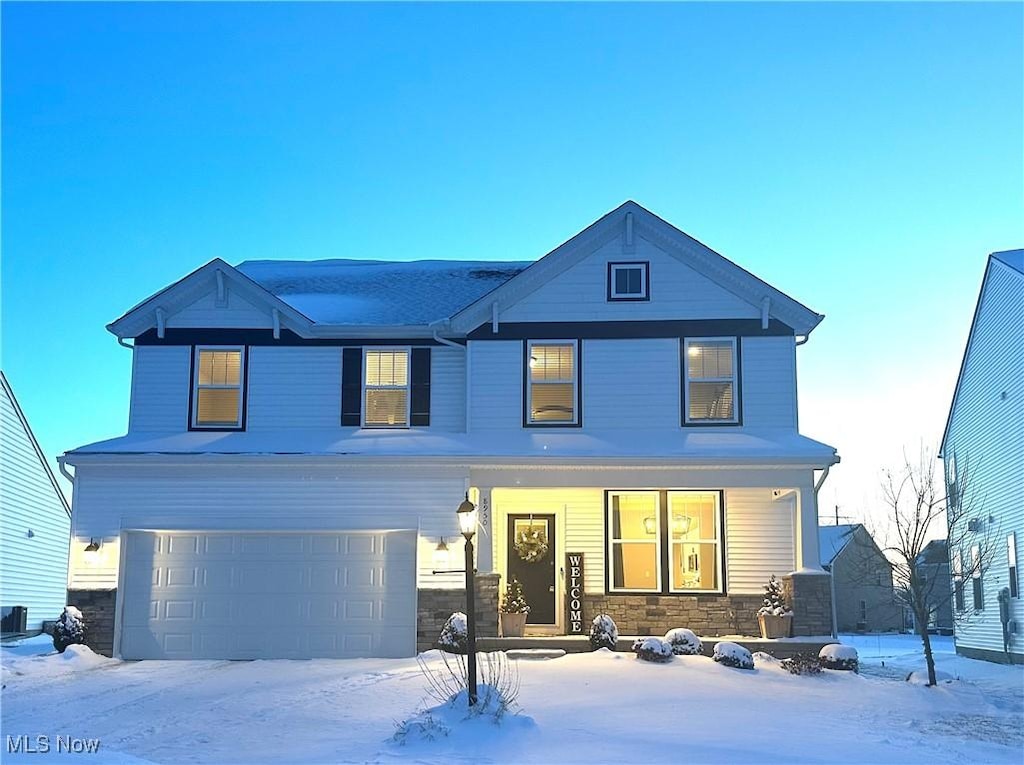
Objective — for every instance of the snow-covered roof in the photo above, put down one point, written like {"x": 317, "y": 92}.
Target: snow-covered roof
{"x": 748, "y": 446}
{"x": 832, "y": 539}
{"x": 376, "y": 292}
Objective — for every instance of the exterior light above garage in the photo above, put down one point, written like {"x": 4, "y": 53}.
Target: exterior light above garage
{"x": 441, "y": 555}
{"x": 92, "y": 551}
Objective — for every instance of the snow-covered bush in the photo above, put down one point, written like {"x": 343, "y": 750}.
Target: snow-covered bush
{"x": 454, "y": 635}
{"x": 603, "y": 632}
{"x": 69, "y": 629}
{"x": 774, "y": 599}
{"x": 802, "y": 664}
{"x": 733, "y": 655}
{"x": 652, "y": 649}
{"x": 683, "y": 642}
{"x": 839, "y": 656}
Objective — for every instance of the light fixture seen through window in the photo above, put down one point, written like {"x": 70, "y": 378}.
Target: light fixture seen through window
{"x": 681, "y": 524}
{"x": 650, "y": 524}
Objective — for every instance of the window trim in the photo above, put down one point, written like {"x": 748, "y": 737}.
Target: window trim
{"x": 959, "y": 600}
{"x": 407, "y": 349}
{"x": 665, "y": 553}
{"x": 684, "y": 376}
{"x": 718, "y": 541}
{"x": 977, "y": 583}
{"x": 1012, "y": 571}
{"x": 645, "y": 296}
{"x": 610, "y": 542}
{"x": 577, "y": 420}
{"x": 193, "y": 389}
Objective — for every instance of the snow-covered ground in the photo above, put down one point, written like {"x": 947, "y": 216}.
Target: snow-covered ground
{"x": 600, "y": 707}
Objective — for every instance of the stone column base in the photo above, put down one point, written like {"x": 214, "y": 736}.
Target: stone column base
{"x": 97, "y": 607}
{"x": 436, "y": 605}
{"x": 809, "y": 596}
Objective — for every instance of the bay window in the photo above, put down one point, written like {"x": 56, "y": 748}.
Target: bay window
{"x": 665, "y": 542}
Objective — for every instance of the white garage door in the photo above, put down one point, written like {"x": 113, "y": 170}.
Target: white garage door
{"x": 187, "y": 595}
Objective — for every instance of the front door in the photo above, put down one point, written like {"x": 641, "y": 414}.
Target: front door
{"x": 531, "y": 561}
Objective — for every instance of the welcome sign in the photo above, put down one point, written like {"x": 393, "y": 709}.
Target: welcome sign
{"x": 574, "y": 592}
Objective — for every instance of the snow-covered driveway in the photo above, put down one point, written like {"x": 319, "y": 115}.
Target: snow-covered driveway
{"x": 586, "y": 708}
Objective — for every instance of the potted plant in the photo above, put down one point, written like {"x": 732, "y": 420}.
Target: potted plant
{"x": 774, "y": 618}
{"x": 514, "y": 610}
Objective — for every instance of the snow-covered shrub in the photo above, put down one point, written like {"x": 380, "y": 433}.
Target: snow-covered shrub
{"x": 513, "y": 601}
{"x": 497, "y": 681}
{"x": 839, "y": 656}
{"x": 454, "y": 635}
{"x": 733, "y": 655}
{"x": 774, "y": 599}
{"x": 652, "y": 649}
{"x": 69, "y": 629}
{"x": 802, "y": 664}
{"x": 603, "y": 632}
{"x": 683, "y": 642}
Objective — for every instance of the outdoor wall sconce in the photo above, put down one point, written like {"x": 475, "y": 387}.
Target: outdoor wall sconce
{"x": 92, "y": 551}
{"x": 441, "y": 554}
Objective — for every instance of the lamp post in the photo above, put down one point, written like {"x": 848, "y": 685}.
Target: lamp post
{"x": 467, "y": 516}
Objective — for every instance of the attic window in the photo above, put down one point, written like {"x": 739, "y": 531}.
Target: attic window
{"x": 629, "y": 281}
{"x": 219, "y": 390}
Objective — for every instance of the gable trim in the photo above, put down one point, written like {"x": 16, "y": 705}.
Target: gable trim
{"x": 35, "y": 444}
{"x": 629, "y": 330}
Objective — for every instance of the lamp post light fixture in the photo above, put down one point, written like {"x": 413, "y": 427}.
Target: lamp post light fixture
{"x": 468, "y": 517}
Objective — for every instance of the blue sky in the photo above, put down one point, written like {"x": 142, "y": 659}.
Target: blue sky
{"x": 862, "y": 158}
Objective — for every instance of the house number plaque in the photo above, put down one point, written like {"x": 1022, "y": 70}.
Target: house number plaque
{"x": 574, "y": 592}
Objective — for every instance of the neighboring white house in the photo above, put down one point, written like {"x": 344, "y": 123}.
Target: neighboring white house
{"x": 301, "y": 434}
{"x": 35, "y": 522}
{"x": 984, "y": 437}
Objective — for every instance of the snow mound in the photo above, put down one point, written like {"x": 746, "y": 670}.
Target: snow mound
{"x": 606, "y": 653}
{"x": 920, "y": 677}
{"x": 733, "y": 655}
{"x": 838, "y": 651}
{"x": 79, "y": 656}
{"x": 456, "y": 726}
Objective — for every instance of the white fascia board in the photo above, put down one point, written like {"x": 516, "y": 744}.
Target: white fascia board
{"x": 371, "y": 331}
{"x": 193, "y": 286}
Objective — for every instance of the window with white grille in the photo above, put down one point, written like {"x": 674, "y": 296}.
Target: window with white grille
{"x": 218, "y": 394}
{"x": 710, "y": 374}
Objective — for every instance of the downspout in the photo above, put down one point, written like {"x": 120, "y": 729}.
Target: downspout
{"x": 443, "y": 341}
{"x": 831, "y": 578}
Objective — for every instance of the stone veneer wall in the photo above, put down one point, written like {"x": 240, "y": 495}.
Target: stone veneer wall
{"x": 97, "y": 607}
{"x": 810, "y": 598}
{"x": 657, "y": 614}
{"x": 436, "y": 605}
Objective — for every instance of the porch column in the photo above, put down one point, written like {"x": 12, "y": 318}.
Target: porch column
{"x": 808, "y": 557}
{"x": 485, "y": 547}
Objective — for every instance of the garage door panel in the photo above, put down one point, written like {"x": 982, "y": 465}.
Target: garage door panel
{"x": 268, "y": 595}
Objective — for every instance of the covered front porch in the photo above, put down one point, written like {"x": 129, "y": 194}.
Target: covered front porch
{"x": 654, "y": 547}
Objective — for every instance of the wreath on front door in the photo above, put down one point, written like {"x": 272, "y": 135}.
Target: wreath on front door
{"x": 531, "y": 545}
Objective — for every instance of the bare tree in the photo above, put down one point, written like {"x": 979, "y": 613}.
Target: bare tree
{"x": 918, "y": 504}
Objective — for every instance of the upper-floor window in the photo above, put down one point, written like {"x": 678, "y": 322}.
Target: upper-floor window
{"x": 552, "y": 381}
{"x": 958, "y": 580}
{"x": 709, "y": 385}
{"x": 979, "y": 592}
{"x": 218, "y": 397}
{"x": 629, "y": 281}
{"x": 1011, "y": 562}
{"x": 386, "y": 388}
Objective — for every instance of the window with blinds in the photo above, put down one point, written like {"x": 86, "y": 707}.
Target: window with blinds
{"x": 553, "y": 376}
{"x": 218, "y": 395}
{"x": 710, "y": 380}
{"x": 386, "y": 388}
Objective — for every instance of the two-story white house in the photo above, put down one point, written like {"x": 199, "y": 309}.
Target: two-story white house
{"x": 301, "y": 434}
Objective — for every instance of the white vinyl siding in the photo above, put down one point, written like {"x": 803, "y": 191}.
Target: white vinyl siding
{"x": 264, "y": 495}
{"x": 768, "y": 388}
{"x": 496, "y": 385}
{"x": 33, "y": 525}
{"x": 235, "y": 313}
{"x": 580, "y": 293}
{"x": 293, "y": 388}
{"x": 631, "y": 384}
{"x": 759, "y": 538}
{"x": 160, "y": 392}
{"x": 986, "y": 434}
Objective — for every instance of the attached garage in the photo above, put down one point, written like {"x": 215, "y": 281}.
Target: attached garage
{"x": 267, "y": 595}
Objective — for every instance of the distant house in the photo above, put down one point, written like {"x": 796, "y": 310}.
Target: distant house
{"x": 35, "y": 524}
{"x": 984, "y": 437}
{"x": 862, "y": 580}
{"x": 933, "y": 565}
